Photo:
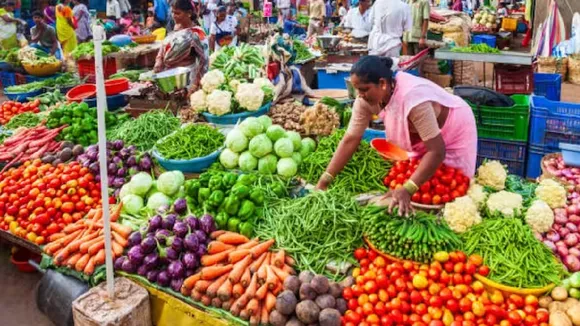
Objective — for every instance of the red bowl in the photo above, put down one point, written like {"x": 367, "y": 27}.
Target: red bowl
{"x": 388, "y": 150}
{"x": 20, "y": 259}
{"x": 81, "y": 92}
{"x": 116, "y": 86}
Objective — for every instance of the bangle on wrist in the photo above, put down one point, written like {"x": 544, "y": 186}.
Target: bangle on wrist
{"x": 327, "y": 177}
{"x": 411, "y": 187}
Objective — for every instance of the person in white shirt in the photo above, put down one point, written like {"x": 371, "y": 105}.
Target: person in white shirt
{"x": 390, "y": 19}
{"x": 223, "y": 31}
{"x": 113, "y": 9}
{"x": 283, "y": 8}
{"x": 125, "y": 6}
{"x": 341, "y": 11}
{"x": 209, "y": 8}
{"x": 358, "y": 19}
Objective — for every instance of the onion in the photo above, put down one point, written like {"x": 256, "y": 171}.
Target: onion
{"x": 554, "y": 171}
{"x": 538, "y": 236}
{"x": 574, "y": 252}
{"x": 552, "y": 236}
{"x": 562, "y": 251}
{"x": 560, "y": 243}
{"x": 573, "y": 263}
{"x": 560, "y": 219}
{"x": 556, "y": 227}
{"x": 571, "y": 239}
{"x": 564, "y": 232}
{"x": 560, "y": 211}
{"x": 572, "y": 209}
{"x": 572, "y": 227}
{"x": 550, "y": 245}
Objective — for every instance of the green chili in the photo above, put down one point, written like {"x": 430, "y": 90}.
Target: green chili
{"x": 191, "y": 141}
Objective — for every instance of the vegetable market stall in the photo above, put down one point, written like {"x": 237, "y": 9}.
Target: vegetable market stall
{"x": 140, "y": 56}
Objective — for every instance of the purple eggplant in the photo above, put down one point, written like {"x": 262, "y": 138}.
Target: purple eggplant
{"x": 117, "y": 160}
{"x": 161, "y": 236}
{"x": 154, "y": 223}
{"x": 142, "y": 270}
{"x": 118, "y": 144}
{"x": 124, "y": 153}
{"x": 92, "y": 155}
{"x": 192, "y": 222}
{"x": 180, "y": 206}
{"x": 201, "y": 236}
{"x": 177, "y": 244}
{"x": 189, "y": 272}
{"x": 189, "y": 260}
{"x": 152, "y": 276}
{"x": 191, "y": 242}
{"x": 134, "y": 239}
{"x": 207, "y": 224}
{"x": 136, "y": 255}
{"x": 131, "y": 161}
{"x": 169, "y": 221}
{"x": 163, "y": 278}
{"x": 151, "y": 261}
{"x": 148, "y": 245}
{"x": 176, "y": 269}
{"x": 94, "y": 167}
{"x": 201, "y": 250}
{"x": 162, "y": 209}
{"x": 119, "y": 263}
{"x": 180, "y": 229}
{"x": 97, "y": 178}
{"x": 132, "y": 148}
{"x": 112, "y": 168}
{"x": 171, "y": 254}
{"x": 122, "y": 172}
{"x": 118, "y": 182}
{"x": 128, "y": 266}
{"x": 145, "y": 163}
{"x": 176, "y": 284}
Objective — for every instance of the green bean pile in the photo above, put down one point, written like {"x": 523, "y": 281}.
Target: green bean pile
{"x": 192, "y": 141}
{"x": 319, "y": 228}
{"x": 363, "y": 173}
{"x": 476, "y": 48}
{"x": 26, "y": 120}
{"x": 416, "y": 238}
{"x": 146, "y": 130}
{"x": 514, "y": 256}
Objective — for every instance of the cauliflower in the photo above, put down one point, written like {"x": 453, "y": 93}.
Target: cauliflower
{"x": 461, "y": 214}
{"x": 552, "y": 193}
{"x": 477, "y": 194}
{"x": 198, "y": 101}
{"x": 261, "y": 82}
{"x": 492, "y": 174}
{"x": 219, "y": 102}
{"x": 508, "y": 204}
{"x": 212, "y": 80}
{"x": 234, "y": 83}
{"x": 250, "y": 96}
{"x": 540, "y": 216}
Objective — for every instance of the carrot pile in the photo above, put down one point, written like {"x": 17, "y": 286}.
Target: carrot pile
{"x": 81, "y": 245}
{"x": 240, "y": 275}
{"x": 29, "y": 144}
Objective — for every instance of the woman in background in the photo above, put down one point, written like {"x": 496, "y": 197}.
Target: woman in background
{"x": 223, "y": 31}
{"x": 65, "y": 27}
{"x": 83, "y": 19}
{"x": 49, "y": 13}
{"x": 8, "y": 23}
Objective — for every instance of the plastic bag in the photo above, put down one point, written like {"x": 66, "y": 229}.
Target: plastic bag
{"x": 483, "y": 96}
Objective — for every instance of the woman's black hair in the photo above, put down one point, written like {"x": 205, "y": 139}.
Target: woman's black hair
{"x": 52, "y": 2}
{"x": 372, "y": 68}
{"x": 222, "y": 9}
{"x": 185, "y": 5}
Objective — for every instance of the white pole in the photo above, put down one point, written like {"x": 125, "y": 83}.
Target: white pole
{"x": 99, "y": 37}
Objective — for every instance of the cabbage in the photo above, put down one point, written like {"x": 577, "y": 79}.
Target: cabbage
{"x": 297, "y": 158}
{"x": 287, "y": 167}
{"x": 267, "y": 164}
{"x": 157, "y": 200}
{"x": 251, "y": 127}
{"x": 140, "y": 183}
{"x": 179, "y": 176}
{"x": 125, "y": 190}
{"x": 295, "y": 138}
{"x": 260, "y": 146}
{"x": 265, "y": 121}
{"x": 247, "y": 162}
{"x": 236, "y": 141}
{"x": 284, "y": 147}
{"x": 169, "y": 183}
{"x": 229, "y": 159}
{"x": 132, "y": 204}
{"x": 308, "y": 142}
{"x": 275, "y": 132}
{"x": 152, "y": 190}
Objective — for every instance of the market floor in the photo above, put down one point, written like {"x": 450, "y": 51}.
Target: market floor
{"x": 17, "y": 295}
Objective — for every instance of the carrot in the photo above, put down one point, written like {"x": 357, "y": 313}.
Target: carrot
{"x": 239, "y": 304}
{"x": 202, "y": 285}
{"x": 227, "y": 305}
{"x": 246, "y": 278}
{"x": 257, "y": 263}
{"x": 253, "y": 306}
{"x": 195, "y": 295}
{"x": 278, "y": 289}
{"x": 214, "y": 287}
{"x": 216, "y": 302}
{"x": 239, "y": 268}
{"x": 69, "y": 238}
{"x": 237, "y": 255}
{"x": 215, "y": 247}
{"x": 116, "y": 212}
{"x": 206, "y": 301}
{"x": 123, "y": 230}
{"x": 82, "y": 263}
{"x": 225, "y": 291}
{"x": 72, "y": 260}
{"x": 261, "y": 248}
{"x": 279, "y": 258}
{"x": 216, "y": 234}
{"x": 52, "y": 247}
{"x": 262, "y": 273}
{"x": 290, "y": 261}
{"x": 56, "y": 236}
{"x": 289, "y": 270}
{"x": 99, "y": 258}
{"x": 62, "y": 256}
{"x": 265, "y": 315}
{"x": 232, "y": 238}
{"x": 117, "y": 249}
{"x": 270, "y": 301}
{"x": 190, "y": 281}
{"x": 209, "y": 260}
{"x": 94, "y": 248}
{"x": 84, "y": 247}
{"x": 75, "y": 245}
{"x": 248, "y": 245}
{"x": 244, "y": 314}
{"x": 252, "y": 287}
{"x": 73, "y": 227}
{"x": 119, "y": 239}
{"x": 271, "y": 278}
{"x": 261, "y": 292}
{"x": 237, "y": 290}
{"x": 281, "y": 274}
{"x": 255, "y": 317}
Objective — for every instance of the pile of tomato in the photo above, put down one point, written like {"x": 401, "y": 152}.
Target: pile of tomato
{"x": 443, "y": 293}
{"x": 447, "y": 184}
{"x": 37, "y": 199}
{"x": 10, "y": 108}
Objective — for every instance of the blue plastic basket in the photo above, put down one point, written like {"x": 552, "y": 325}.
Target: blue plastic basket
{"x": 553, "y": 123}
{"x": 195, "y": 165}
{"x": 332, "y": 80}
{"x": 570, "y": 154}
{"x": 371, "y": 134}
{"x": 510, "y": 153}
{"x": 5, "y": 66}
{"x": 114, "y": 102}
{"x": 548, "y": 85}
{"x": 535, "y": 155}
{"x": 31, "y": 79}
{"x": 22, "y": 97}
{"x": 232, "y": 119}
{"x": 7, "y": 79}
{"x": 490, "y": 40}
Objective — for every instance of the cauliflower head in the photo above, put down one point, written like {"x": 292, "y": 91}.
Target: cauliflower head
{"x": 212, "y": 80}
{"x": 551, "y": 192}
{"x": 461, "y": 214}
{"x": 540, "y": 216}
{"x": 250, "y": 96}
{"x": 508, "y": 204}
{"x": 234, "y": 83}
{"x": 492, "y": 174}
{"x": 219, "y": 102}
{"x": 263, "y": 82}
{"x": 198, "y": 101}
{"x": 477, "y": 194}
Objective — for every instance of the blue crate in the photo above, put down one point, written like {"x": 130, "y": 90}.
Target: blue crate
{"x": 232, "y": 119}
{"x": 548, "y": 85}
{"x": 334, "y": 80}
{"x": 114, "y": 102}
{"x": 553, "y": 123}
{"x": 371, "y": 134}
{"x": 490, "y": 40}
{"x": 510, "y": 153}
{"x": 535, "y": 155}
{"x": 7, "y": 79}
{"x": 570, "y": 154}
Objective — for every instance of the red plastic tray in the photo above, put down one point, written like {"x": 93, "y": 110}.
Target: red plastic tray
{"x": 388, "y": 150}
{"x": 116, "y": 86}
{"x": 79, "y": 93}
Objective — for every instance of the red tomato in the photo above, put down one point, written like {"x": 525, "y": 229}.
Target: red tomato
{"x": 416, "y": 297}
{"x": 352, "y": 304}
{"x": 436, "y": 302}
{"x": 465, "y": 305}
{"x": 483, "y": 270}
{"x": 416, "y": 197}
{"x": 514, "y": 317}
{"x": 425, "y": 187}
{"x": 370, "y": 287}
{"x": 347, "y": 293}
{"x": 531, "y": 300}
{"x": 426, "y": 199}
{"x": 382, "y": 281}
{"x": 445, "y": 198}
{"x": 543, "y": 316}
{"x": 360, "y": 253}
{"x": 353, "y": 317}
{"x": 436, "y": 200}
{"x": 380, "y": 309}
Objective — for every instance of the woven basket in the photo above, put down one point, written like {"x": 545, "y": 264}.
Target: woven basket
{"x": 551, "y": 65}
{"x": 574, "y": 69}
{"x": 145, "y": 39}
{"x": 545, "y": 173}
{"x": 441, "y": 80}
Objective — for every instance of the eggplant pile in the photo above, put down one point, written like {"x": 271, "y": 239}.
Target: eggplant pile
{"x": 168, "y": 250}
{"x": 122, "y": 162}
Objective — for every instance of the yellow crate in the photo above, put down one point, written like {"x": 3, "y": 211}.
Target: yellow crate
{"x": 509, "y": 24}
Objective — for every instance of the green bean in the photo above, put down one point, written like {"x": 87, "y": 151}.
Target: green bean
{"x": 192, "y": 141}
{"x": 146, "y": 130}
{"x": 26, "y": 120}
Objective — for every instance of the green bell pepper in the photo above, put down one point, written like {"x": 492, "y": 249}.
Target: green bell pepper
{"x": 65, "y": 121}
{"x": 247, "y": 209}
{"x": 222, "y": 220}
{"x": 204, "y": 179}
{"x": 246, "y": 179}
{"x": 203, "y": 195}
{"x": 192, "y": 188}
{"x": 241, "y": 191}
{"x": 246, "y": 229}
{"x": 229, "y": 180}
{"x": 257, "y": 196}
{"x": 215, "y": 183}
{"x": 216, "y": 198}
{"x": 231, "y": 204}
{"x": 279, "y": 190}
{"x": 233, "y": 224}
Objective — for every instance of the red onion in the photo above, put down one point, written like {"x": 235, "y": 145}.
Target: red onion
{"x": 574, "y": 219}
{"x": 574, "y": 252}
{"x": 572, "y": 209}
{"x": 560, "y": 211}
{"x": 564, "y": 232}
{"x": 560, "y": 219}
{"x": 562, "y": 251}
{"x": 556, "y": 227}
{"x": 538, "y": 236}
{"x": 573, "y": 263}
{"x": 572, "y": 227}
{"x": 571, "y": 239}
{"x": 550, "y": 245}
{"x": 553, "y": 236}
{"x": 560, "y": 243}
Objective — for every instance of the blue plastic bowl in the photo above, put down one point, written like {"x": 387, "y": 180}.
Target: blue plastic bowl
{"x": 371, "y": 134}
{"x": 114, "y": 102}
{"x": 570, "y": 154}
{"x": 196, "y": 165}
{"x": 232, "y": 119}
{"x": 22, "y": 97}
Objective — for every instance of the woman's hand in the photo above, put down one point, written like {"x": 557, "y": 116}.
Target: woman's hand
{"x": 322, "y": 184}
{"x": 400, "y": 198}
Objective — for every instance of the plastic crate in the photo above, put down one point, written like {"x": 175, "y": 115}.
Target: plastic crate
{"x": 511, "y": 79}
{"x": 332, "y": 80}
{"x": 510, "y": 153}
{"x": 509, "y": 24}
{"x": 504, "y": 123}
{"x": 86, "y": 69}
{"x": 535, "y": 155}
{"x": 31, "y": 79}
{"x": 485, "y": 39}
{"x": 553, "y": 123}
{"x": 548, "y": 85}
{"x": 7, "y": 79}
